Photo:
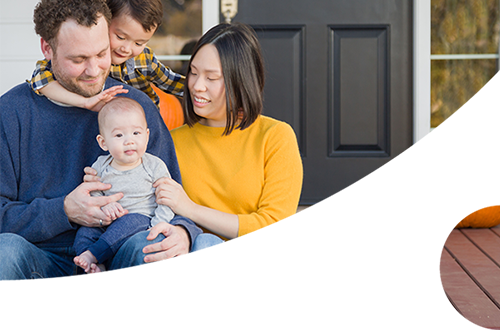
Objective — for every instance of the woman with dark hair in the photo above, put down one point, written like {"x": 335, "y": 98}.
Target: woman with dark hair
{"x": 241, "y": 171}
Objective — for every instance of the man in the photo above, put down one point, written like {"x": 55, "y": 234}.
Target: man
{"x": 45, "y": 146}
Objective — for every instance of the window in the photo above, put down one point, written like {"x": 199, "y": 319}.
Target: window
{"x": 464, "y": 59}
{"x": 183, "y": 24}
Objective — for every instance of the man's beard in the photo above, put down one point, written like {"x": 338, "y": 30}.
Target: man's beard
{"x": 72, "y": 85}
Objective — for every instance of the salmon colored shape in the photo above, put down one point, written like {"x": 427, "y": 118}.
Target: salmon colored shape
{"x": 170, "y": 109}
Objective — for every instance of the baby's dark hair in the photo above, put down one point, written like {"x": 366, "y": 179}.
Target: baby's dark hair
{"x": 50, "y": 14}
{"x": 147, "y": 12}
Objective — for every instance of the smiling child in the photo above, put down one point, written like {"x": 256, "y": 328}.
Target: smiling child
{"x": 133, "y": 23}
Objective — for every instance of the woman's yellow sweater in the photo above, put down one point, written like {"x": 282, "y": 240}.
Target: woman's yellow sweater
{"x": 255, "y": 173}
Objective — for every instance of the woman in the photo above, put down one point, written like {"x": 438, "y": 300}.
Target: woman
{"x": 241, "y": 171}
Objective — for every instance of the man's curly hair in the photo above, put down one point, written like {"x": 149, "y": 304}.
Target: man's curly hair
{"x": 50, "y": 14}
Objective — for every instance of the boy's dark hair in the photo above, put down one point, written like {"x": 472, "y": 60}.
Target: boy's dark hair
{"x": 147, "y": 12}
{"x": 243, "y": 72}
{"x": 50, "y": 14}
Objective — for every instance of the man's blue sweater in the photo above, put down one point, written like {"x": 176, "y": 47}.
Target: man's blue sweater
{"x": 44, "y": 148}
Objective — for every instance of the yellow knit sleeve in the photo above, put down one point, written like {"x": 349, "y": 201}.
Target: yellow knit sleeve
{"x": 266, "y": 239}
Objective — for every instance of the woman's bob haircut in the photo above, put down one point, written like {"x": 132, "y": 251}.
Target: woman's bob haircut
{"x": 243, "y": 72}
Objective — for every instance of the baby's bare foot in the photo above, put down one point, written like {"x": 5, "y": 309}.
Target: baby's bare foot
{"x": 93, "y": 268}
{"x": 85, "y": 261}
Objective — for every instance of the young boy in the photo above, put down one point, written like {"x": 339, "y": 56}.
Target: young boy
{"x": 129, "y": 169}
{"x": 133, "y": 23}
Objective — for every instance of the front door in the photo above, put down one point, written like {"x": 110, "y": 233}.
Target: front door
{"x": 340, "y": 73}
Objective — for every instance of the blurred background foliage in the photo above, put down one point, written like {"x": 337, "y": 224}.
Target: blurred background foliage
{"x": 182, "y": 24}
{"x": 465, "y": 27}
{"x": 461, "y": 27}
{"x": 181, "y": 18}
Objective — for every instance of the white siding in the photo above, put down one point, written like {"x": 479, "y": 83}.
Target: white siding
{"x": 19, "y": 44}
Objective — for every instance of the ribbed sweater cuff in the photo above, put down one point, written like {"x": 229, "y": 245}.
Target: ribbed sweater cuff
{"x": 101, "y": 251}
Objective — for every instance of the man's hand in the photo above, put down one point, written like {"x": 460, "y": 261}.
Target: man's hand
{"x": 90, "y": 175}
{"x": 85, "y": 210}
{"x": 176, "y": 242}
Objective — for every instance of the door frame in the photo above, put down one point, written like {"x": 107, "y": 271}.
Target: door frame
{"x": 210, "y": 14}
{"x": 421, "y": 69}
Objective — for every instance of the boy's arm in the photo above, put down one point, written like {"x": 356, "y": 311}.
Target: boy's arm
{"x": 162, "y": 76}
{"x": 43, "y": 82}
{"x": 56, "y": 92}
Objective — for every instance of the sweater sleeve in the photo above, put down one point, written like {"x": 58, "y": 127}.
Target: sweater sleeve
{"x": 282, "y": 184}
{"x": 27, "y": 218}
{"x": 266, "y": 238}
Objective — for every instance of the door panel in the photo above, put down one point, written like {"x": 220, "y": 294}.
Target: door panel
{"x": 283, "y": 50}
{"x": 358, "y": 100}
{"x": 340, "y": 73}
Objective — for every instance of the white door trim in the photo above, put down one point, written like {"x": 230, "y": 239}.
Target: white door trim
{"x": 421, "y": 69}
{"x": 210, "y": 14}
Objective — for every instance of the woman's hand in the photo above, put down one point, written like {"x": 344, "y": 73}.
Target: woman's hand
{"x": 170, "y": 193}
{"x": 176, "y": 242}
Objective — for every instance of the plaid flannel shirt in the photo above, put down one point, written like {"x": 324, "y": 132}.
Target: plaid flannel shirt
{"x": 42, "y": 75}
{"x": 145, "y": 68}
{"x": 138, "y": 72}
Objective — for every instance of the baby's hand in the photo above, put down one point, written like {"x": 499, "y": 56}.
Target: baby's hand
{"x": 114, "y": 210}
{"x": 95, "y": 103}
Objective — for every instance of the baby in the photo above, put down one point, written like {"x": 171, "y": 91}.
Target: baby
{"x": 130, "y": 170}
{"x": 133, "y": 23}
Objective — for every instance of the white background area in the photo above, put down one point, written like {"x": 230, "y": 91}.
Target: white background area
{"x": 19, "y": 44}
